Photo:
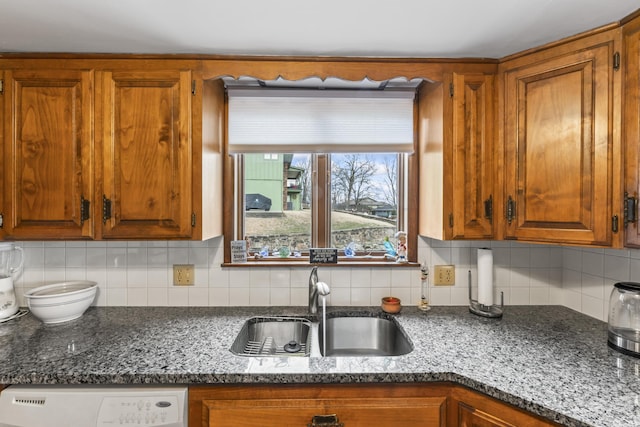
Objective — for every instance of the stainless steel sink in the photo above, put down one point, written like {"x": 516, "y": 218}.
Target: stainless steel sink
{"x": 273, "y": 336}
{"x": 363, "y": 336}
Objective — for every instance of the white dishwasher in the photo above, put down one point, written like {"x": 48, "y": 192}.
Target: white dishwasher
{"x": 93, "y": 406}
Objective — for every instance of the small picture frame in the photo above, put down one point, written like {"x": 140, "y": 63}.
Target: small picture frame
{"x": 238, "y": 251}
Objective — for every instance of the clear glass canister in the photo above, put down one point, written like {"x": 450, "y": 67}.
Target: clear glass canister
{"x": 624, "y": 318}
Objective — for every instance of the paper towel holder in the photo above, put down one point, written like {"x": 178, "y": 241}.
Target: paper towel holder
{"x": 492, "y": 311}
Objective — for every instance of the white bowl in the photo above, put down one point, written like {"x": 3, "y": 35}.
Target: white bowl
{"x": 61, "y": 302}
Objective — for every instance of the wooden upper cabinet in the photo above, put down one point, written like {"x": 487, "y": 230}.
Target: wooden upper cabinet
{"x": 455, "y": 138}
{"x": 146, "y": 154}
{"x": 472, "y": 166}
{"x": 631, "y": 128}
{"x": 47, "y": 154}
{"x": 561, "y": 144}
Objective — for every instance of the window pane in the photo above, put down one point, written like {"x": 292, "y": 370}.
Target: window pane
{"x": 277, "y": 202}
{"x": 364, "y": 201}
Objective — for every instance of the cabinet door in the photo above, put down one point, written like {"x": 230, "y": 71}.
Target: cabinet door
{"x": 455, "y": 139}
{"x": 471, "y": 409}
{"x": 472, "y": 166}
{"x": 559, "y": 147}
{"x": 361, "y": 412}
{"x": 631, "y": 128}
{"x": 47, "y": 154}
{"x": 470, "y": 417}
{"x": 146, "y": 154}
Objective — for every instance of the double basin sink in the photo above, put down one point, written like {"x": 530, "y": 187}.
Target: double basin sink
{"x": 362, "y": 334}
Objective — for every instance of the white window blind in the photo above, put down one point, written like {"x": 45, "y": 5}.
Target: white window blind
{"x": 320, "y": 121}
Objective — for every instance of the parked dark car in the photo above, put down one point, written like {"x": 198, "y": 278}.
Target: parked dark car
{"x": 257, "y": 201}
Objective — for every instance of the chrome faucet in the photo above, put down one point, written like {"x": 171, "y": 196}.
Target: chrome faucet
{"x": 316, "y": 288}
{"x": 313, "y": 291}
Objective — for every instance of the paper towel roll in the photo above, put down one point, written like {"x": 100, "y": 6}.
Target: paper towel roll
{"x": 485, "y": 276}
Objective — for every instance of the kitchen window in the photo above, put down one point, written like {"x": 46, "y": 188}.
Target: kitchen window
{"x": 325, "y": 169}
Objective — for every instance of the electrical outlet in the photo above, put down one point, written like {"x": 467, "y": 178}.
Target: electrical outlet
{"x": 183, "y": 275}
{"x": 444, "y": 275}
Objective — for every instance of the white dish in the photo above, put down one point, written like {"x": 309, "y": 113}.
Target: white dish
{"x": 61, "y": 302}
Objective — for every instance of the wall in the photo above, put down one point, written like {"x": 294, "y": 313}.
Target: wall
{"x": 589, "y": 274}
{"x": 139, "y": 273}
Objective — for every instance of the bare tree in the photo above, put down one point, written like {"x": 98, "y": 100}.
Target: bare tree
{"x": 350, "y": 178}
{"x": 390, "y": 187}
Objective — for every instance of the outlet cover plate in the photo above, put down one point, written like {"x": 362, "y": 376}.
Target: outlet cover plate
{"x": 183, "y": 275}
{"x": 444, "y": 275}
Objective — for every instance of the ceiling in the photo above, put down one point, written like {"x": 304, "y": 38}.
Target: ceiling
{"x": 398, "y": 28}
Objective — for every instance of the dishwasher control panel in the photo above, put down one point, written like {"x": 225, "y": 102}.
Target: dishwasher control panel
{"x": 88, "y": 406}
{"x": 139, "y": 410}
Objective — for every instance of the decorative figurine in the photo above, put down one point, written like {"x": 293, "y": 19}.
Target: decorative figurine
{"x": 389, "y": 247}
{"x": 402, "y": 246}
{"x": 350, "y": 250}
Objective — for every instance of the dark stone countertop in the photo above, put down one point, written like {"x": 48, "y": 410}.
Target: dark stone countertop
{"x": 549, "y": 360}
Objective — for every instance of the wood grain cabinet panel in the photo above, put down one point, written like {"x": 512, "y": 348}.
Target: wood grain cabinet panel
{"x": 631, "y": 128}
{"x": 352, "y": 412}
{"x": 560, "y": 146}
{"x": 47, "y": 154}
{"x": 455, "y": 139}
{"x": 470, "y": 409}
{"x": 354, "y": 405}
{"x": 350, "y": 405}
{"x": 471, "y": 417}
{"x": 472, "y": 166}
{"x": 146, "y": 156}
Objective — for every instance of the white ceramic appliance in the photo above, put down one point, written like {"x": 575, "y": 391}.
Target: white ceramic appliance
{"x": 11, "y": 261}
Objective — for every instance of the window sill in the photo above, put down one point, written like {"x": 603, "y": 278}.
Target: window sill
{"x": 304, "y": 262}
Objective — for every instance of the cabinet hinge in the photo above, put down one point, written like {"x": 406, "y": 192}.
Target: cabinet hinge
{"x": 193, "y": 87}
{"x": 451, "y": 220}
{"x": 451, "y": 90}
{"x": 614, "y": 223}
{"x": 1, "y": 220}
{"x": 1, "y": 86}
{"x": 488, "y": 208}
{"x": 510, "y": 211}
{"x": 106, "y": 209}
{"x": 616, "y": 61}
{"x": 630, "y": 209}
{"x": 85, "y": 206}
{"x": 193, "y": 219}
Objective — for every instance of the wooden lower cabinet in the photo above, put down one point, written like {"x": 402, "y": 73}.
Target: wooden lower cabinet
{"x": 468, "y": 408}
{"x": 412, "y": 411}
{"x": 350, "y": 405}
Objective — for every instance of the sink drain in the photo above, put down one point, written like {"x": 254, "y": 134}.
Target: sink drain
{"x": 292, "y": 347}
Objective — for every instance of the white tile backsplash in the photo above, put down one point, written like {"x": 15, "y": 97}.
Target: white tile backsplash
{"x": 588, "y": 276}
{"x": 139, "y": 273}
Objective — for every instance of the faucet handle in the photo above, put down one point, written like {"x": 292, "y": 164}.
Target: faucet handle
{"x": 323, "y": 288}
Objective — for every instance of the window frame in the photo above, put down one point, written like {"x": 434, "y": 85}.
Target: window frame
{"x": 233, "y": 213}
